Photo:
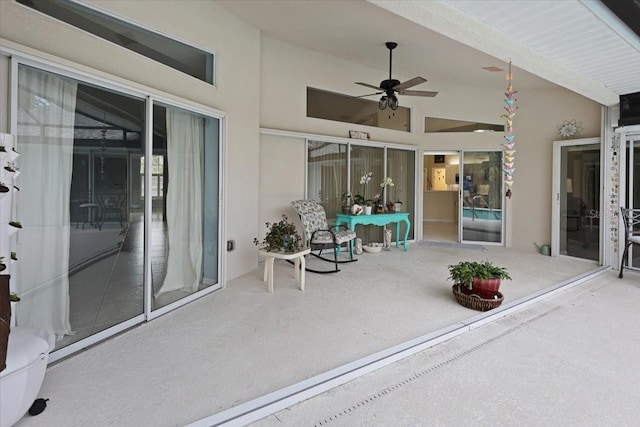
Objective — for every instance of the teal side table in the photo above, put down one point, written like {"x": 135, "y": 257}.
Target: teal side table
{"x": 378, "y": 219}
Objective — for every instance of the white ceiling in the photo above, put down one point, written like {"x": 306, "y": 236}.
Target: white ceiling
{"x": 576, "y": 44}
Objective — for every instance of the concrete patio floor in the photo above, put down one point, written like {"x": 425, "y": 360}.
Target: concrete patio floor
{"x": 242, "y": 343}
{"x": 570, "y": 360}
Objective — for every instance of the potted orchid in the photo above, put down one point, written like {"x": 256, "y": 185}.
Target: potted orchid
{"x": 387, "y": 182}
{"x": 359, "y": 199}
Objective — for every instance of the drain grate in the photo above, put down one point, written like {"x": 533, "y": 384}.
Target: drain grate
{"x": 419, "y": 375}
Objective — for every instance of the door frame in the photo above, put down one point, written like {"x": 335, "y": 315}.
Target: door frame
{"x": 423, "y": 186}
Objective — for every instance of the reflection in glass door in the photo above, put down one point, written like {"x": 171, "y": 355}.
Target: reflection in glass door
{"x": 481, "y": 181}
{"x": 577, "y": 201}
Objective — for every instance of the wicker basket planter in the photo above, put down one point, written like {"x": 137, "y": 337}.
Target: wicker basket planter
{"x": 474, "y": 302}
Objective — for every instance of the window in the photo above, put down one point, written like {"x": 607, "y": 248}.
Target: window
{"x": 180, "y": 56}
{"x": 322, "y": 104}
{"x": 434, "y": 124}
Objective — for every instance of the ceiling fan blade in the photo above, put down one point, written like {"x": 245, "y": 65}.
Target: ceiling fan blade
{"x": 368, "y": 85}
{"x": 370, "y": 94}
{"x": 409, "y": 83}
{"x": 418, "y": 93}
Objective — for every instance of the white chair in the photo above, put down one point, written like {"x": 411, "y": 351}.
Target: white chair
{"x": 631, "y": 220}
{"x": 320, "y": 236}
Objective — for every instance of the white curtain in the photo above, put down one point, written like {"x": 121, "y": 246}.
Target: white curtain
{"x": 185, "y": 141}
{"x": 45, "y": 141}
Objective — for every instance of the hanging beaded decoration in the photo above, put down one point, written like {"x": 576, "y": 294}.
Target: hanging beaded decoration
{"x": 614, "y": 151}
{"x": 508, "y": 147}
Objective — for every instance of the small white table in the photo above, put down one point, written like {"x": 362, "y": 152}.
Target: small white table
{"x": 299, "y": 265}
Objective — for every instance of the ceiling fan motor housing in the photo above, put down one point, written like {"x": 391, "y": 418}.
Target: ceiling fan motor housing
{"x": 388, "y": 85}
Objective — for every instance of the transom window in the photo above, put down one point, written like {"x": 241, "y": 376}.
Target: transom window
{"x": 322, "y": 104}
{"x": 173, "y": 53}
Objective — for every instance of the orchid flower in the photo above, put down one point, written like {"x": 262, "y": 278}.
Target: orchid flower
{"x": 387, "y": 181}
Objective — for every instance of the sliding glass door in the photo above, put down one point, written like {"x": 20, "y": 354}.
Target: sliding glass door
{"x": 401, "y": 168}
{"x": 184, "y": 215}
{"x": 118, "y": 226}
{"x": 577, "y": 199}
{"x": 367, "y": 172}
{"x": 481, "y": 214}
{"x": 327, "y": 174}
{"x": 335, "y": 170}
{"x": 77, "y": 228}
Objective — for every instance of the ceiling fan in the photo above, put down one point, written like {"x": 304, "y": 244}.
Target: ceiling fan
{"x": 391, "y": 86}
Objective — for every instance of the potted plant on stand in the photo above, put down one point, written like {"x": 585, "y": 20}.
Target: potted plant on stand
{"x": 281, "y": 236}
{"x": 387, "y": 182}
{"x": 367, "y": 204}
{"x": 391, "y": 207}
{"x": 359, "y": 199}
{"x": 476, "y": 284}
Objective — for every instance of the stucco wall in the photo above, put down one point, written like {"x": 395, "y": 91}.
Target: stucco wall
{"x": 202, "y": 23}
{"x": 262, "y": 83}
{"x": 286, "y": 71}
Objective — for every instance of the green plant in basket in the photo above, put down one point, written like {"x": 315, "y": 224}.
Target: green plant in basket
{"x": 464, "y": 272}
{"x": 281, "y": 236}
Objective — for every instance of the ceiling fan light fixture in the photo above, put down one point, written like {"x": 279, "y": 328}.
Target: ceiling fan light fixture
{"x": 392, "y": 101}
{"x": 382, "y": 104}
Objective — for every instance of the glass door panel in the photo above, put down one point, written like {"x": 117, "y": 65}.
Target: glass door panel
{"x": 365, "y": 160}
{"x": 401, "y": 169}
{"x": 327, "y": 174}
{"x": 75, "y": 139}
{"x": 481, "y": 214}
{"x": 578, "y": 200}
{"x": 183, "y": 185}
